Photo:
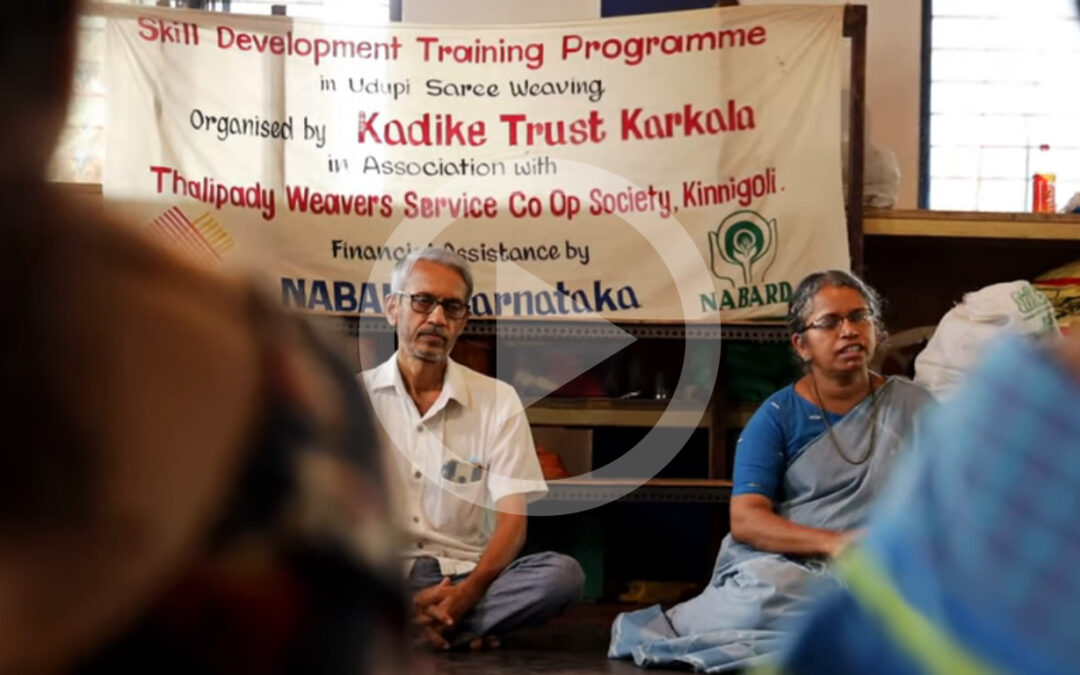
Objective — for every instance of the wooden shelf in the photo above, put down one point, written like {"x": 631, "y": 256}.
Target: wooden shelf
{"x": 1029, "y": 226}
{"x": 652, "y": 482}
{"x": 682, "y": 490}
{"x": 630, "y": 413}
{"x": 611, "y": 413}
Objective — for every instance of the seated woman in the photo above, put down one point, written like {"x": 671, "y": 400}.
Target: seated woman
{"x": 807, "y": 466}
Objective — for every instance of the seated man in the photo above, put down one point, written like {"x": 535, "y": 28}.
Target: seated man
{"x": 462, "y": 444}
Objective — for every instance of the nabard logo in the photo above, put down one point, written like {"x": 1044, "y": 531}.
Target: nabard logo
{"x": 743, "y": 248}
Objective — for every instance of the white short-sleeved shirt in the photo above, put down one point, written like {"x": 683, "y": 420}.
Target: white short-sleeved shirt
{"x": 454, "y": 463}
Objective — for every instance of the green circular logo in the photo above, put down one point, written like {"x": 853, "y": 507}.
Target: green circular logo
{"x": 744, "y": 242}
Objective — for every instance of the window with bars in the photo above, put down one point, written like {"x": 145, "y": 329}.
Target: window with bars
{"x": 1003, "y": 81}
{"x": 79, "y": 156}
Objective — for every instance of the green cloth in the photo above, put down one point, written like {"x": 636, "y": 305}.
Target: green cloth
{"x": 755, "y": 370}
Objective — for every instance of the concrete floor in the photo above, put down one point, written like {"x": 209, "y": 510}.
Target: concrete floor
{"x": 573, "y": 644}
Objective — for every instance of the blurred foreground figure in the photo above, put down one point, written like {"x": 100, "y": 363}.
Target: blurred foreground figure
{"x": 188, "y": 482}
{"x": 970, "y": 564}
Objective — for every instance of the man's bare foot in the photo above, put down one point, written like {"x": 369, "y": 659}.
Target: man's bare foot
{"x": 486, "y": 642}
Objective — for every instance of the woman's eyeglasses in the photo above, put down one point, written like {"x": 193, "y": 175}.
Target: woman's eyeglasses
{"x": 859, "y": 318}
{"x": 426, "y": 304}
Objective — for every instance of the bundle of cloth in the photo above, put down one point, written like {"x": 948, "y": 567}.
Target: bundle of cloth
{"x": 968, "y": 329}
{"x": 1062, "y": 287}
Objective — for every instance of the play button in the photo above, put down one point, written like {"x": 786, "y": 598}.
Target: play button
{"x": 543, "y": 368}
{"x": 516, "y": 300}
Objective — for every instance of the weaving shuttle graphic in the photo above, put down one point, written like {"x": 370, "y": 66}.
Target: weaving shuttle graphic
{"x": 204, "y": 238}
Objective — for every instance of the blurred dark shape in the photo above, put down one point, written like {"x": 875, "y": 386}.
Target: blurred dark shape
{"x": 298, "y": 576}
{"x": 188, "y": 481}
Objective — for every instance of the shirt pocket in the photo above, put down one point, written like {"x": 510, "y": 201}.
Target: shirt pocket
{"x": 456, "y": 501}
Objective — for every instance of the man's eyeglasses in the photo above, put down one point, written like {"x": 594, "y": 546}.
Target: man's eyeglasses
{"x": 426, "y": 304}
{"x": 858, "y": 318}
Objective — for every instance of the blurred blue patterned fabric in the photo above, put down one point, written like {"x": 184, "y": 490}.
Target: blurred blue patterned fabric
{"x": 970, "y": 563}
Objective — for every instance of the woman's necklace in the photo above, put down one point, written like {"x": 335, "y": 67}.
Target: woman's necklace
{"x": 832, "y": 435}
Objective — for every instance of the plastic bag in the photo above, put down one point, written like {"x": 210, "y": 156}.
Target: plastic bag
{"x": 881, "y": 177}
{"x": 965, "y": 331}
{"x": 1073, "y": 205}
{"x": 881, "y": 168}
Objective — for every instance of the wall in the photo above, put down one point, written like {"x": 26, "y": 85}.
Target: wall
{"x": 893, "y": 86}
{"x": 498, "y": 11}
{"x": 894, "y": 53}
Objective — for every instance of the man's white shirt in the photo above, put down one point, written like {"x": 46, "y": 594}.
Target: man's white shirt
{"x": 455, "y": 462}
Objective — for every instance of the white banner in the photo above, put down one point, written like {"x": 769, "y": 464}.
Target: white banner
{"x": 667, "y": 167}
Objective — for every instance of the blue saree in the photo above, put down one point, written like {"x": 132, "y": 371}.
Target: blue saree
{"x": 970, "y": 563}
{"x": 742, "y": 615}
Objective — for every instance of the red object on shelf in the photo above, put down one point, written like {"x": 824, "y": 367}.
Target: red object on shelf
{"x": 1043, "y": 198}
{"x": 550, "y": 464}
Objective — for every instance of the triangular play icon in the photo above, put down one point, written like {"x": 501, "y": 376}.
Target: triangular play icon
{"x": 561, "y": 360}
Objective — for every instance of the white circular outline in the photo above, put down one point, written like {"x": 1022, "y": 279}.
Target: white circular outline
{"x": 676, "y": 244}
